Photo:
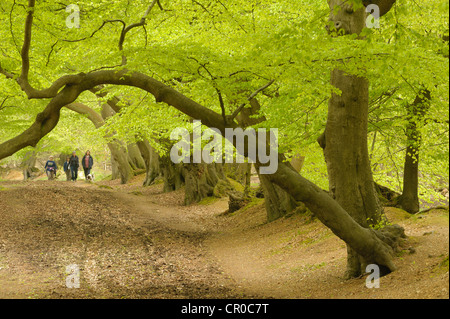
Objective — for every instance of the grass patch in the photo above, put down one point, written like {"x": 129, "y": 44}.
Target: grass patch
{"x": 441, "y": 268}
{"x": 252, "y": 203}
{"x": 395, "y": 214}
{"x": 105, "y": 186}
{"x": 208, "y": 200}
{"x": 236, "y": 185}
{"x": 443, "y": 265}
{"x": 437, "y": 217}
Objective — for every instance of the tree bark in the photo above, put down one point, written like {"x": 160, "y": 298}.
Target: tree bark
{"x": 118, "y": 149}
{"x": 135, "y": 157}
{"x": 199, "y": 184}
{"x": 277, "y": 201}
{"x": 345, "y": 140}
{"x": 151, "y": 158}
{"x": 172, "y": 174}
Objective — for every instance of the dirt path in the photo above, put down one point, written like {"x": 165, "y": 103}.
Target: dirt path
{"x": 124, "y": 246}
{"x": 134, "y": 242}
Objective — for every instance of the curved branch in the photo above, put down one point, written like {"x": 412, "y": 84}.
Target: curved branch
{"x": 92, "y": 115}
{"x": 126, "y": 29}
{"x": 45, "y": 122}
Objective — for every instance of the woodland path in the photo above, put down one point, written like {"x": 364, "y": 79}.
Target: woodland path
{"x": 134, "y": 242}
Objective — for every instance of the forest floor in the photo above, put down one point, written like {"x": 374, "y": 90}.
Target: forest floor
{"x": 135, "y": 242}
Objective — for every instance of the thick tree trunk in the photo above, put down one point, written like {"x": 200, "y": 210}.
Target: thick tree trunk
{"x": 172, "y": 174}
{"x": 201, "y": 180}
{"x": 199, "y": 183}
{"x": 409, "y": 199}
{"x": 236, "y": 171}
{"x": 121, "y": 161}
{"x": 345, "y": 141}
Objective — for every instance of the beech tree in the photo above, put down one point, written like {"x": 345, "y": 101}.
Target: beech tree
{"x": 203, "y": 57}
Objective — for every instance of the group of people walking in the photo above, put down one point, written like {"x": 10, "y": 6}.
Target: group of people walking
{"x": 71, "y": 166}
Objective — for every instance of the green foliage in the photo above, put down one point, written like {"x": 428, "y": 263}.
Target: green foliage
{"x": 203, "y": 48}
{"x": 383, "y": 222}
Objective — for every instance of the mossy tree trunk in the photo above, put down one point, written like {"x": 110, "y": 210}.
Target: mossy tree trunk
{"x": 201, "y": 179}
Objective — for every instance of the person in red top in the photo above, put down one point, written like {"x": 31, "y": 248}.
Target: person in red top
{"x": 87, "y": 162}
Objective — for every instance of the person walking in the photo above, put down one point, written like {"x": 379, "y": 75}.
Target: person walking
{"x": 67, "y": 168}
{"x": 87, "y": 162}
{"x": 74, "y": 164}
{"x": 50, "y": 168}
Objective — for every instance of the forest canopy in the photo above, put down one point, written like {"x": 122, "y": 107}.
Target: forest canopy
{"x": 202, "y": 48}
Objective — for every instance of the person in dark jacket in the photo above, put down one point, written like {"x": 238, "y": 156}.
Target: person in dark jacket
{"x": 51, "y": 167}
{"x": 67, "y": 168}
{"x": 74, "y": 165}
{"x": 87, "y": 162}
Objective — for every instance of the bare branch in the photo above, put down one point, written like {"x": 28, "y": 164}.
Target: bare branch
{"x": 126, "y": 29}
{"x": 27, "y": 42}
{"x": 7, "y": 74}
{"x": 2, "y": 105}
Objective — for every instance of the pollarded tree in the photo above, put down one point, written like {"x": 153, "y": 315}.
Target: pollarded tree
{"x": 345, "y": 137}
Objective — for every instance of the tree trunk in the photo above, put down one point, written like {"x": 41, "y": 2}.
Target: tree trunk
{"x": 121, "y": 159}
{"x": 28, "y": 163}
{"x": 201, "y": 180}
{"x": 345, "y": 141}
{"x": 236, "y": 171}
{"x": 151, "y": 159}
{"x": 277, "y": 201}
{"x": 118, "y": 151}
{"x": 198, "y": 182}
{"x": 172, "y": 174}
{"x": 135, "y": 157}
{"x": 409, "y": 199}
